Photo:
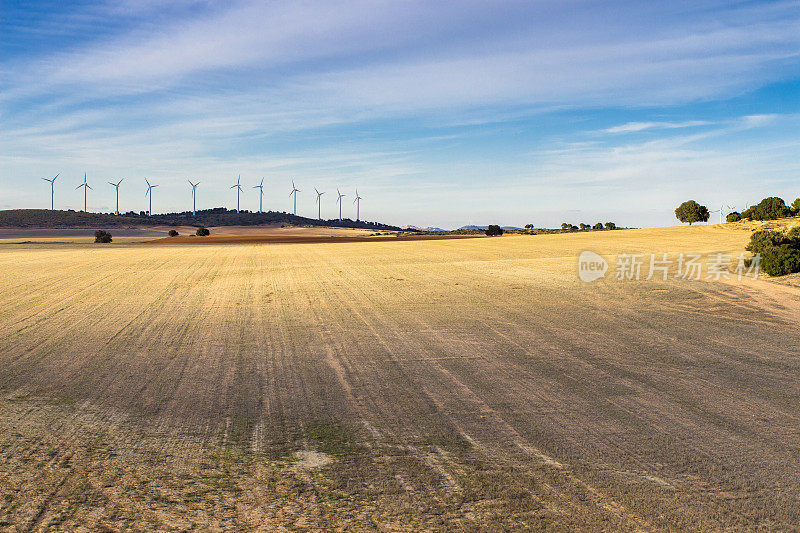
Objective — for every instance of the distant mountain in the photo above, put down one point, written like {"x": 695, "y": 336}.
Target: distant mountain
{"x": 418, "y": 228}
{"x": 220, "y": 216}
{"x": 470, "y": 227}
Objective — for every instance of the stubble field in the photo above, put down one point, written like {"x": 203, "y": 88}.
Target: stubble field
{"x": 473, "y": 384}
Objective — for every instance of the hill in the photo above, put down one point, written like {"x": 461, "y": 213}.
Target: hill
{"x": 219, "y": 216}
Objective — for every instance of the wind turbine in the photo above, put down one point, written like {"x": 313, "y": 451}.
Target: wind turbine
{"x": 357, "y": 201}
{"x": 85, "y": 186}
{"x": 294, "y": 192}
{"x": 260, "y": 195}
{"x": 150, "y": 193}
{"x": 194, "y": 196}
{"x": 319, "y": 203}
{"x": 52, "y": 189}
{"x": 238, "y": 190}
{"x": 116, "y": 185}
{"x": 339, "y": 201}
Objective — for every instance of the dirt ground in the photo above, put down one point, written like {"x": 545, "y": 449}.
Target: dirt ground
{"x": 471, "y": 384}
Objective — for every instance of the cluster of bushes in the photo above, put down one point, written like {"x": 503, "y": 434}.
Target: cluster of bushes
{"x": 780, "y": 252}
{"x": 494, "y": 230}
{"x": 566, "y": 226}
{"x": 771, "y": 208}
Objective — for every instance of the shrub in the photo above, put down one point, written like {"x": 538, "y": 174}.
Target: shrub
{"x": 768, "y": 209}
{"x": 173, "y": 233}
{"x": 202, "y": 232}
{"x": 796, "y": 206}
{"x": 780, "y": 260}
{"x": 610, "y": 225}
{"x": 734, "y": 216}
{"x": 102, "y": 236}
{"x": 494, "y": 230}
{"x": 690, "y": 211}
{"x": 598, "y": 226}
{"x": 760, "y": 241}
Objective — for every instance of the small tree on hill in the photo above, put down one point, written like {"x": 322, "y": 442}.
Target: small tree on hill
{"x": 173, "y": 233}
{"x": 610, "y": 226}
{"x": 494, "y": 230}
{"x": 598, "y": 226}
{"x": 202, "y": 232}
{"x": 566, "y": 225}
{"x": 584, "y": 227}
{"x": 102, "y": 236}
{"x": 528, "y": 226}
{"x": 690, "y": 211}
{"x": 768, "y": 209}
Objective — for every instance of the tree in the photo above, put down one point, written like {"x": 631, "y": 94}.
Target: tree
{"x": 585, "y": 227}
{"x": 610, "y": 226}
{"x": 733, "y": 216}
{"x": 102, "y": 236}
{"x": 690, "y": 211}
{"x": 494, "y": 230}
{"x": 598, "y": 226}
{"x": 528, "y": 226}
{"x": 796, "y": 206}
{"x": 768, "y": 209}
{"x": 173, "y": 233}
{"x": 566, "y": 225}
{"x": 202, "y": 232}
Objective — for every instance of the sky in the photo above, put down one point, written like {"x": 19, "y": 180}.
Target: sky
{"x": 439, "y": 113}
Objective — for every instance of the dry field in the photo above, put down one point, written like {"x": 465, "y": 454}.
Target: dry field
{"x": 451, "y": 384}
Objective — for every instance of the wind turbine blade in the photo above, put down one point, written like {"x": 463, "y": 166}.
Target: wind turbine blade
{"x": 57, "y": 175}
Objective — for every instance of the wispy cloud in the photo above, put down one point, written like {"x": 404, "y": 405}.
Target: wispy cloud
{"x": 633, "y": 127}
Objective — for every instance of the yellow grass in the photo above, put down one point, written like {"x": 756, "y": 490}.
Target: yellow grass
{"x": 398, "y": 385}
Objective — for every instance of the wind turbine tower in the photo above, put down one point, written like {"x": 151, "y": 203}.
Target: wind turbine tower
{"x": 339, "y": 201}
{"x": 52, "y": 189}
{"x": 150, "y": 193}
{"x": 294, "y": 192}
{"x": 238, "y": 190}
{"x": 319, "y": 203}
{"x": 357, "y": 201}
{"x": 116, "y": 186}
{"x": 85, "y": 186}
{"x": 194, "y": 196}
{"x": 260, "y": 186}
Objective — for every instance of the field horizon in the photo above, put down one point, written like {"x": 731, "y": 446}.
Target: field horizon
{"x": 438, "y": 384}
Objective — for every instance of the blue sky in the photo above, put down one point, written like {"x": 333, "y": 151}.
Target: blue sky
{"x": 441, "y": 113}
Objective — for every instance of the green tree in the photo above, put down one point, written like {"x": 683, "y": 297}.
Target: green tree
{"x": 173, "y": 233}
{"x": 102, "y": 236}
{"x": 690, "y": 211}
{"x": 566, "y": 225}
{"x": 610, "y": 225}
{"x": 770, "y": 208}
{"x": 528, "y": 226}
{"x": 796, "y": 206}
{"x": 202, "y": 232}
{"x": 494, "y": 230}
{"x": 598, "y": 226}
{"x": 584, "y": 227}
{"x": 734, "y": 216}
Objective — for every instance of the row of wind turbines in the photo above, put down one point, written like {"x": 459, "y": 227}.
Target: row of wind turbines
{"x": 149, "y": 193}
